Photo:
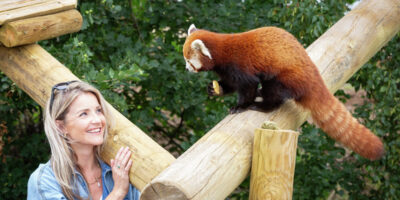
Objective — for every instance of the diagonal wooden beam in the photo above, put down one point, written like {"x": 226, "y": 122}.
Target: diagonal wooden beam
{"x": 35, "y": 71}
{"x": 220, "y": 161}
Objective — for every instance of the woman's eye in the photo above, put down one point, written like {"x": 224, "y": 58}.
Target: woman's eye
{"x": 82, "y": 114}
{"x": 99, "y": 110}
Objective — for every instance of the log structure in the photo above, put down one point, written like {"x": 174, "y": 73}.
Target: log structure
{"x": 273, "y": 164}
{"x": 11, "y": 10}
{"x": 214, "y": 166}
{"x": 35, "y": 71}
{"x": 31, "y": 30}
{"x": 26, "y": 22}
{"x": 220, "y": 161}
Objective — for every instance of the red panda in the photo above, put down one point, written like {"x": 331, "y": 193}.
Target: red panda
{"x": 272, "y": 58}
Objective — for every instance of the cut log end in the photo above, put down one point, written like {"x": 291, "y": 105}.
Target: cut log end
{"x": 162, "y": 191}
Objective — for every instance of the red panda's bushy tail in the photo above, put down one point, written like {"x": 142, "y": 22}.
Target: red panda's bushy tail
{"x": 334, "y": 119}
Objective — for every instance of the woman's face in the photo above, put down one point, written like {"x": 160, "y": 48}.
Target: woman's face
{"x": 84, "y": 123}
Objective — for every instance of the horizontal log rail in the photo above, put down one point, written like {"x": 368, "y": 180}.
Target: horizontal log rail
{"x": 11, "y": 10}
{"x": 31, "y": 30}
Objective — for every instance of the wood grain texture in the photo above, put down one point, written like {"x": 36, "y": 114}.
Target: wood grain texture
{"x": 31, "y": 30}
{"x": 6, "y": 5}
{"x": 11, "y": 10}
{"x": 214, "y": 166}
{"x": 35, "y": 71}
{"x": 273, "y": 164}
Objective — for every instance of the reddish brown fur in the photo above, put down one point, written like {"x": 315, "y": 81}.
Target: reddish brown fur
{"x": 276, "y": 52}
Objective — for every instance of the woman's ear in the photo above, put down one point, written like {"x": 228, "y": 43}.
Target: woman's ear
{"x": 61, "y": 126}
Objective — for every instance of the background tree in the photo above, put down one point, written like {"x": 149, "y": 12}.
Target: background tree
{"x": 132, "y": 51}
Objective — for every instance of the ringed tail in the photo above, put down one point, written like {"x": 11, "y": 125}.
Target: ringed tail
{"x": 335, "y": 120}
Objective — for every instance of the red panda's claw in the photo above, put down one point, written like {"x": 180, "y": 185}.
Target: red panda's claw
{"x": 210, "y": 90}
{"x": 236, "y": 109}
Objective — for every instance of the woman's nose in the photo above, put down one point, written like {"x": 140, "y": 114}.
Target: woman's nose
{"x": 95, "y": 118}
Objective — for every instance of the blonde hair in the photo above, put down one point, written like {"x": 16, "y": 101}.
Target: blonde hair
{"x": 62, "y": 155}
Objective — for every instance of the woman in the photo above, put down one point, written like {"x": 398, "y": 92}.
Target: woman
{"x": 76, "y": 123}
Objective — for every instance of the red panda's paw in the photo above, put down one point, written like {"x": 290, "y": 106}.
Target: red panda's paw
{"x": 236, "y": 110}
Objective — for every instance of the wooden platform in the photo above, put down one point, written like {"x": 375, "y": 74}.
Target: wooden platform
{"x": 28, "y": 21}
{"x": 11, "y": 10}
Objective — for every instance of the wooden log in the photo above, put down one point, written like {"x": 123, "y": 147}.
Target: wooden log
{"x": 11, "y": 10}
{"x": 214, "y": 166}
{"x": 28, "y": 31}
{"x": 35, "y": 71}
{"x": 273, "y": 163}
{"x": 6, "y": 5}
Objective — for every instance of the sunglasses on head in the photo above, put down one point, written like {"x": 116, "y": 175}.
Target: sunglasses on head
{"x": 59, "y": 87}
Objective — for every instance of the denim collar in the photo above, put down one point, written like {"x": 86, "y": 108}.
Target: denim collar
{"x": 106, "y": 177}
{"x": 104, "y": 167}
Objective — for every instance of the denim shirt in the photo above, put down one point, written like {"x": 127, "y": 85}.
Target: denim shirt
{"x": 43, "y": 184}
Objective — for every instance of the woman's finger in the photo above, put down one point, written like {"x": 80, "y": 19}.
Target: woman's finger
{"x": 124, "y": 151}
{"x": 129, "y": 165}
{"x": 118, "y": 156}
{"x": 126, "y": 158}
{"x": 112, "y": 162}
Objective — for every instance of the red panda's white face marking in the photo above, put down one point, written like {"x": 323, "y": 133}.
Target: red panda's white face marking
{"x": 190, "y": 67}
{"x": 198, "y": 49}
{"x": 193, "y": 64}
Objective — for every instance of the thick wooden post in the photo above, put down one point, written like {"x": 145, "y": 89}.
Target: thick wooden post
{"x": 28, "y": 31}
{"x": 214, "y": 166}
{"x": 35, "y": 71}
{"x": 272, "y": 169}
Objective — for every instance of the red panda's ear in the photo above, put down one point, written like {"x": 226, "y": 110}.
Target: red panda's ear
{"x": 192, "y": 29}
{"x": 199, "y": 45}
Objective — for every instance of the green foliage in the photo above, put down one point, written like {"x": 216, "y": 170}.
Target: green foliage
{"x": 381, "y": 79}
{"x": 21, "y": 139}
{"x": 132, "y": 52}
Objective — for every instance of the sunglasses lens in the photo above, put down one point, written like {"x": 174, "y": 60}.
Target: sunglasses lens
{"x": 59, "y": 86}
